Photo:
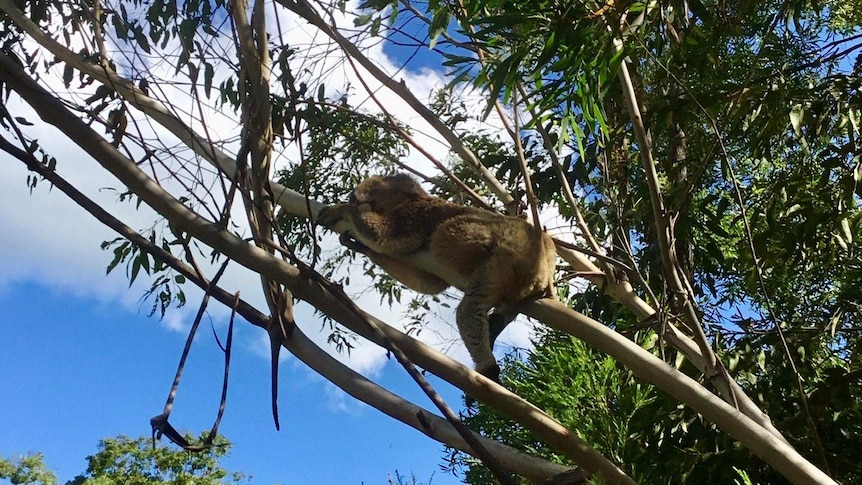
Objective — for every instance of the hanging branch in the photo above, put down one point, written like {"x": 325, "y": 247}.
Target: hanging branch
{"x": 161, "y": 424}
{"x": 257, "y": 197}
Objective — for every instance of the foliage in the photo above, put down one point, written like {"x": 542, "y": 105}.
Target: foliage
{"x": 132, "y": 461}
{"x": 608, "y": 408}
{"x": 135, "y": 461}
{"x": 26, "y": 470}
{"x": 400, "y": 479}
{"x": 754, "y": 120}
{"x": 834, "y": 404}
{"x": 586, "y": 391}
{"x": 683, "y": 445}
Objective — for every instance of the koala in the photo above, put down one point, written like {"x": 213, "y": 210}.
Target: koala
{"x": 499, "y": 262}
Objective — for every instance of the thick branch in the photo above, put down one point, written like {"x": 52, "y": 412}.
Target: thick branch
{"x": 680, "y": 286}
{"x": 623, "y": 292}
{"x": 777, "y": 453}
{"x": 661, "y": 219}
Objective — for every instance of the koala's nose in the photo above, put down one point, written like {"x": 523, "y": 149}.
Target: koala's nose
{"x": 352, "y": 198}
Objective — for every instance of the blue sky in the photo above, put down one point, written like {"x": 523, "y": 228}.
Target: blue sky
{"x": 80, "y": 360}
{"x": 76, "y": 369}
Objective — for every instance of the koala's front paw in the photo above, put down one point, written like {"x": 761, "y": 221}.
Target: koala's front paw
{"x": 331, "y": 214}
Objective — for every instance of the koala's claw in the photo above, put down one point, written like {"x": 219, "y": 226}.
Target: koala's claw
{"x": 491, "y": 372}
{"x": 348, "y": 241}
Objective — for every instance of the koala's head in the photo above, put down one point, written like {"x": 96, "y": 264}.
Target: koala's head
{"x": 383, "y": 193}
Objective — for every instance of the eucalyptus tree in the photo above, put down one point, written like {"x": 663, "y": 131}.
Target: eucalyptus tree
{"x": 662, "y": 134}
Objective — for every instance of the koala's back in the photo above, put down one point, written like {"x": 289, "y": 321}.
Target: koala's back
{"x": 517, "y": 259}
{"x": 415, "y": 222}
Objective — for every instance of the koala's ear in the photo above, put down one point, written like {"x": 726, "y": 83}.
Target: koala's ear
{"x": 406, "y": 184}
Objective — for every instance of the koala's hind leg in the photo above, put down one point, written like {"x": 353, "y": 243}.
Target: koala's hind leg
{"x": 413, "y": 278}
{"x": 472, "y": 319}
{"x": 497, "y": 322}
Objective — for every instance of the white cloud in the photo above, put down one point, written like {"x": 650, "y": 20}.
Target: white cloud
{"x": 48, "y": 238}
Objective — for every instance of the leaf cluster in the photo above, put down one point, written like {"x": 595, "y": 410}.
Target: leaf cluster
{"x": 137, "y": 462}
{"x": 133, "y": 461}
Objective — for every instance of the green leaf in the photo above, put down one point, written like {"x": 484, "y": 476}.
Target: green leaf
{"x": 120, "y": 253}
{"x": 136, "y": 267}
{"x": 361, "y": 20}
{"x": 141, "y": 39}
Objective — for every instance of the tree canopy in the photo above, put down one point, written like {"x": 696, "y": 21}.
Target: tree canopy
{"x": 697, "y": 161}
{"x": 133, "y": 461}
